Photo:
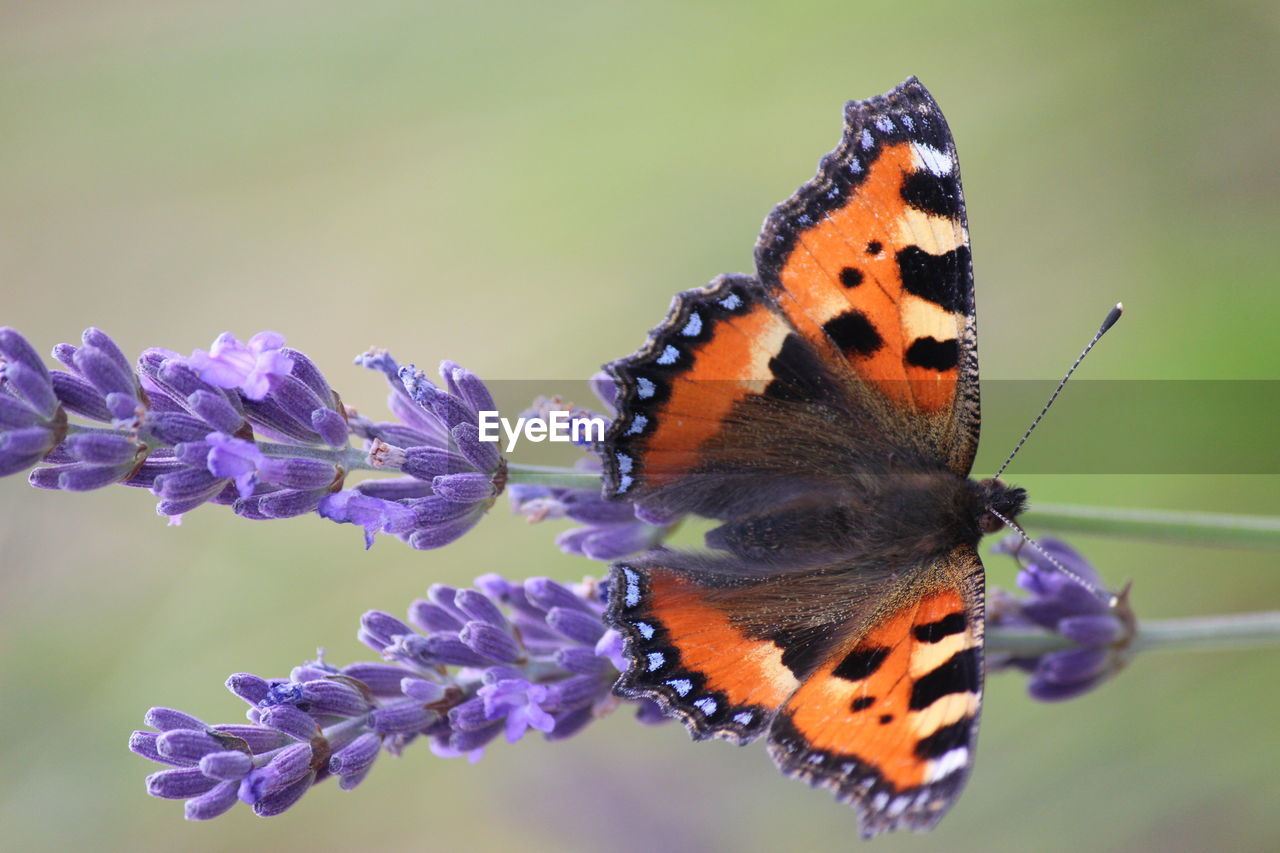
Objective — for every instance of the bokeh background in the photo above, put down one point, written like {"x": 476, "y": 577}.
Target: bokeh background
{"x": 521, "y": 187}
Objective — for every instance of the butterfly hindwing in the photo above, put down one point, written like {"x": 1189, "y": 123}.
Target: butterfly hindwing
{"x": 889, "y": 718}
{"x": 689, "y": 656}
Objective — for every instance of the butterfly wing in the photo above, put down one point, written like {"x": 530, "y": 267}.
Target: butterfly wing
{"x": 834, "y": 358}
{"x": 870, "y": 262}
{"x": 890, "y": 717}
{"x": 866, "y": 683}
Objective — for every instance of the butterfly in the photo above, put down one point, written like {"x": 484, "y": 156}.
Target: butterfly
{"x": 825, "y": 412}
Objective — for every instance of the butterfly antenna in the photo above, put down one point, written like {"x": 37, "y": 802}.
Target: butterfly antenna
{"x": 1112, "y": 316}
{"x": 1053, "y": 561}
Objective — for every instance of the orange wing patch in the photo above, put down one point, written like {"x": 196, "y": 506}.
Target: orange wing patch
{"x": 688, "y": 656}
{"x": 889, "y": 720}
{"x": 876, "y": 280}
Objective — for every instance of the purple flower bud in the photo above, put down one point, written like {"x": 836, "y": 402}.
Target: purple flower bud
{"x": 355, "y": 756}
{"x": 104, "y": 372}
{"x": 394, "y": 489}
{"x": 216, "y": 801}
{"x": 576, "y": 624}
{"x": 490, "y": 642}
{"x": 248, "y": 687}
{"x": 479, "y": 607}
{"x": 187, "y": 745}
{"x": 547, "y": 594}
{"x": 32, "y": 386}
{"x": 382, "y": 628}
{"x": 331, "y": 427}
{"x": 186, "y": 484}
{"x": 466, "y": 385}
{"x": 77, "y": 395}
{"x": 470, "y": 716}
{"x": 257, "y": 738}
{"x": 432, "y": 617}
{"x": 17, "y": 350}
{"x": 439, "y": 534}
{"x": 334, "y": 697}
{"x": 291, "y": 721}
{"x": 179, "y": 784}
{"x": 176, "y": 427}
{"x": 102, "y": 449}
{"x": 382, "y": 679}
{"x": 216, "y": 410}
{"x": 285, "y": 503}
{"x": 305, "y": 370}
{"x": 401, "y": 719}
{"x": 277, "y": 802}
{"x": 428, "y": 463}
{"x": 167, "y": 719}
{"x": 227, "y": 765}
{"x": 144, "y": 744}
{"x": 450, "y": 650}
{"x": 422, "y": 691}
{"x": 484, "y": 455}
{"x": 463, "y": 488}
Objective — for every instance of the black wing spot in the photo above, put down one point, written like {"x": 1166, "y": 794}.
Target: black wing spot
{"x": 875, "y": 247}
{"x": 854, "y": 333}
{"x": 958, "y": 675}
{"x": 935, "y": 632}
{"x": 937, "y": 278}
{"x": 851, "y": 277}
{"x": 933, "y": 354}
{"x": 861, "y": 663}
{"x": 862, "y": 703}
{"x": 886, "y": 719}
{"x": 926, "y": 192}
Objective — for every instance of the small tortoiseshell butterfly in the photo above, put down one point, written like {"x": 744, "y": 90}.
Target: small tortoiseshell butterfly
{"x": 826, "y": 411}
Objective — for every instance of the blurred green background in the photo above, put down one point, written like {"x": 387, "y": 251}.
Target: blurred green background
{"x": 522, "y": 187}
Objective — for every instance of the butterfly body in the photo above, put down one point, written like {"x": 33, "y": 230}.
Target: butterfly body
{"x": 825, "y": 411}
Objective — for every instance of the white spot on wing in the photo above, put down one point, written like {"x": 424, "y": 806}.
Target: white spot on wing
{"x": 693, "y": 327}
{"x": 633, "y": 584}
{"x": 706, "y": 705}
{"x": 656, "y": 660}
{"x": 638, "y": 423}
{"x": 669, "y": 355}
{"x": 949, "y": 763}
{"x": 680, "y": 685}
{"x": 624, "y": 483}
{"x": 744, "y": 718}
{"x": 731, "y": 302}
{"x": 624, "y": 463}
{"x": 884, "y": 124}
{"x": 927, "y": 157}
{"x": 644, "y": 387}
{"x": 645, "y": 629}
{"x": 866, "y": 140}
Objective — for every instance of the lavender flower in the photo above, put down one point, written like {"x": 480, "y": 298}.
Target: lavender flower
{"x": 32, "y": 422}
{"x": 611, "y": 529}
{"x": 500, "y": 660}
{"x": 252, "y": 425}
{"x": 453, "y": 478}
{"x": 1098, "y": 625}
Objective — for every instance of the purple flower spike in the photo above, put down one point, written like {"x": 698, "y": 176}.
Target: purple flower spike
{"x": 250, "y": 367}
{"x": 1074, "y": 606}
{"x": 483, "y": 663}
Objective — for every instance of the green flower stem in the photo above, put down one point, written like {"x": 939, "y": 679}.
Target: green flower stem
{"x": 1201, "y": 528}
{"x": 1205, "y": 633}
{"x": 545, "y": 475}
{"x": 349, "y": 458}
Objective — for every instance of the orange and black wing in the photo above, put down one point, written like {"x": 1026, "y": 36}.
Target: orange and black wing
{"x": 890, "y": 717}
{"x": 870, "y": 262}
{"x": 877, "y": 700}
{"x": 853, "y": 343}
